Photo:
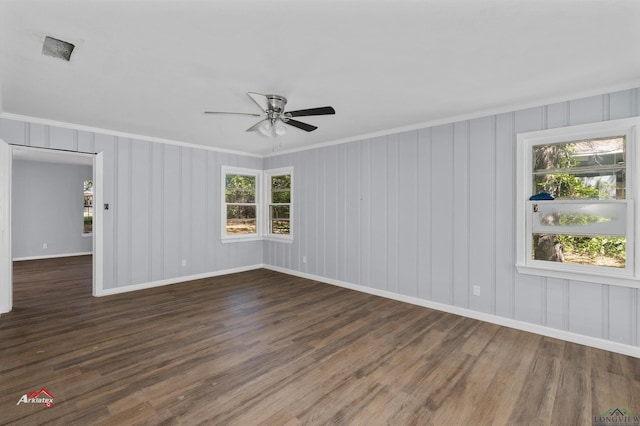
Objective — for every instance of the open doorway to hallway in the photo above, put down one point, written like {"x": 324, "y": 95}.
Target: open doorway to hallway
{"x": 52, "y": 194}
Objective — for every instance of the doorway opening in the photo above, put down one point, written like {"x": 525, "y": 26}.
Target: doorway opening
{"x": 47, "y": 192}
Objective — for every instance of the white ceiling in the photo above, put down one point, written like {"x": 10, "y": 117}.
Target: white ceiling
{"x": 152, "y": 67}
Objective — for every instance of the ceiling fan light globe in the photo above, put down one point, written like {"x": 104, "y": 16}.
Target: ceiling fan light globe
{"x": 279, "y": 128}
{"x": 266, "y": 128}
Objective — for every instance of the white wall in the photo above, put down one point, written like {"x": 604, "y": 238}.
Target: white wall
{"x": 431, "y": 213}
{"x": 164, "y": 204}
{"x": 48, "y": 208}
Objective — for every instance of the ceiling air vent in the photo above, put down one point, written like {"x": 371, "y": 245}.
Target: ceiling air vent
{"x": 57, "y": 48}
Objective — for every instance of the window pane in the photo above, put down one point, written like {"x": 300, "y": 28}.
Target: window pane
{"x": 281, "y": 182}
{"x": 281, "y": 227}
{"x": 583, "y": 218}
{"x": 240, "y": 189}
{"x": 241, "y": 219}
{"x": 281, "y": 189}
{"x": 588, "y": 169}
{"x": 241, "y": 212}
{"x": 284, "y": 196}
{"x": 580, "y": 249}
{"x": 279, "y": 212}
{"x": 238, "y": 195}
{"x": 241, "y": 226}
{"x": 279, "y": 219}
{"x": 88, "y": 207}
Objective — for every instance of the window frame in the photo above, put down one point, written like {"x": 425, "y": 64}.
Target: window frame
{"x": 628, "y": 276}
{"x": 268, "y": 174}
{"x": 228, "y": 170}
{"x": 263, "y": 201}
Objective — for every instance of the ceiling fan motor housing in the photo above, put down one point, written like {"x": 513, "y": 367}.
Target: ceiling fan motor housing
{"x": 276, "y": 103}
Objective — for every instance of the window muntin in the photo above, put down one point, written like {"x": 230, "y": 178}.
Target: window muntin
{"x": 280, "y": 204}
{"x": 588, "y": 231}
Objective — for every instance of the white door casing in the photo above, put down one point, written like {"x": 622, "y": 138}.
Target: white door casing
{"x": 98, "y": 232}
{"x": 6, "y": 264}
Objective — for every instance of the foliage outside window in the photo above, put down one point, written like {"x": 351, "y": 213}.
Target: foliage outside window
{"x": 279, "y": 200}
{"x": 587, "y": 231}
{"x": 88, "y": 207}
{"x": 593, "y": 169}
{"x": 241, "y": 207}
{"x": 256, "y": 204}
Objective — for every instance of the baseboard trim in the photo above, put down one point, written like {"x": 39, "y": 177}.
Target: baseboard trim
{"x": 494, "y": 319}
{"x": 176, "y": 280}
{"x": 51, "y": 256}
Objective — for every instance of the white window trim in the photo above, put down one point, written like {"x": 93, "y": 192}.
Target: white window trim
{"x": 263, "y": 199}
{"x": 227, "y": 170}
{"x": 267, "y": 201}
{"x": 630, "y": 275}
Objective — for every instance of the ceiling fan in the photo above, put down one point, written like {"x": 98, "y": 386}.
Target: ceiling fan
{"x": 274, "y": 116}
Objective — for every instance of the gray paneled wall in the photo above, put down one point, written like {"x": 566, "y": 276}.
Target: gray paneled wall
{"x": 426, "y": 213}
{"x": 48, "y": 208}
{"x": 430, "y": 213}
{"x": 164, "y": 204}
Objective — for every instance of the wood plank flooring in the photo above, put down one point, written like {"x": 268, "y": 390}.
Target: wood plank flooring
{"x": 265, "y": 348}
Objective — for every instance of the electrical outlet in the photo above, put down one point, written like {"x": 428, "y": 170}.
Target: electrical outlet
{"x": 184, "y": 262}
{"x": 304, "y": 259}
{"x": 476, "y": 290}
{"x": 44, "y": 245}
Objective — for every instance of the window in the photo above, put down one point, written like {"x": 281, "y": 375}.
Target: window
{"x": 251, "y": 212}
{"x": 580, "y": 223}
{"x": 279, "y": 201}
{"x": 240, "y": 206}
{"x": 87, "y": 217}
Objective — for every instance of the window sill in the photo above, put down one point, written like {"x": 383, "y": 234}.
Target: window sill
{"x": 596, "y": 276}
{"x": 279, "y": 238}
{"x": 90, "y": 234}
{"x": 240, "y": 239}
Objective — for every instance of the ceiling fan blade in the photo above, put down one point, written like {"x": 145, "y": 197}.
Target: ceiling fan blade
{"x": 301, "y": 125}
{"x": 260, "y": 99}
{"x": 312, "y": 111}
{"x": 256, "y": 126}
{"x": 235, "y": 113}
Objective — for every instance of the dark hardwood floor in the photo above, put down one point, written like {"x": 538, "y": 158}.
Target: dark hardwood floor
{"x": 265, "y": 348}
